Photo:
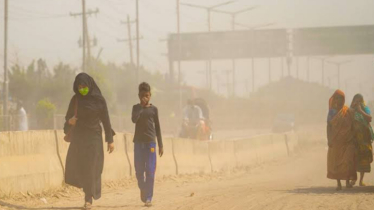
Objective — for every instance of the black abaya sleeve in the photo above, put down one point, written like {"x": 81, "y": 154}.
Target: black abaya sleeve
{"x": 104, "y": 117}
{"x": 69, "y": 114}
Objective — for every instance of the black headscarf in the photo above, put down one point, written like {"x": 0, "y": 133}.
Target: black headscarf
{"x": 94, "y": 97}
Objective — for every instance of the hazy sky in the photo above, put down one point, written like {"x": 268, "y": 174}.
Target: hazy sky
{"x": 43, "y": 28}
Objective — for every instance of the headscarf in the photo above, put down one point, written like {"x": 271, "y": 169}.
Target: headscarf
{"x": 358, "y": 96}
{"x": 90, "y": 101}
{"x": 359, "y": 117}
{"x": 337, "y": 93}
{"x": 333, "y": 112}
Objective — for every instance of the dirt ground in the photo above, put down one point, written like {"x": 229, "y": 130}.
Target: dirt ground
{"x": 296, "y": 183}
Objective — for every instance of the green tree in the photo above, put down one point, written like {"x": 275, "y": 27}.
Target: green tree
{"x": 44, "y": 114}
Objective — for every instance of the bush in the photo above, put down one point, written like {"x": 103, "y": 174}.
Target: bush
{"x": 44, "y": 114}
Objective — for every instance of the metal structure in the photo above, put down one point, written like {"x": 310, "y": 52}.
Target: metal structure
{"x": 341, "y": 40}
{"x": 228, "y": 45}
{"x": 233, "y": 24}
{"x": 209, "y": 10}
{"x": 338, "y": 65}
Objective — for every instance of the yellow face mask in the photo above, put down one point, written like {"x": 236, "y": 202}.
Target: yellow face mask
{"x": 84, "y": 91}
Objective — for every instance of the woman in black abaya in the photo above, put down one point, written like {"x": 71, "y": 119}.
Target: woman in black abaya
{"x": 85, "y": 158}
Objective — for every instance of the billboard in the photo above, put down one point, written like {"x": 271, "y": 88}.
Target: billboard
{"x": 341, "y": 40}
{"x": 228, "y": 45}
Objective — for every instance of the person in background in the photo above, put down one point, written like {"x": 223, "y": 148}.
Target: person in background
{"x": 341, "y": 163}
{"x": 192, "y": 113}
{"x": 192, "y": 120}
{"x": 147, "y": 129}
{"x": 363, "y": 136}
{"x": 85, "y": 158}
{"x": 23, "y": 123}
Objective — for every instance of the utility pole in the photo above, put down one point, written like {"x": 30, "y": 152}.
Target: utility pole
{"x": 5, "y": 83}
{"x": 297, "y": 68}
{"x": 289, "y": 62}
{"x": 253, "y": 28}
{"x": 338, "y": 65}
{"x": 129, "y": 39}
{"x": 323, "y": 71}
{"x": 179, "y": 60}
{"x": 218, "y": 84}
{"x": 269, "y": 69}
{"x": 328, "y": 82}
{"x": 282, "y": 67}
{"x": 253, "y": 68}
{"x": 247, "y": 87}
{"x": 323, "y": 59}
{"x": 228, "y": 82}
{"x": 233, "y": 24}
{"x": 86, "y": 43}
{"x": 84, "y": 35}
{"x": 209, "y": 10}
{"x": 137, "y": 44}
{"x": 179, "y": 41}
{"x": 308, "y": 69}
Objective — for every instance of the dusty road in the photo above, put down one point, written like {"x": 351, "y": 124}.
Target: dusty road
{"x": 295, "y": 183}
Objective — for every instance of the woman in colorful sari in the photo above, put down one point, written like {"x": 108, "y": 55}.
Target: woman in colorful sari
{"x": 341, "y": 163}
{"x": 363, "y": 136}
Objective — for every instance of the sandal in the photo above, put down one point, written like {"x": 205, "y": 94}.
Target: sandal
{"x": 87, "y": 206}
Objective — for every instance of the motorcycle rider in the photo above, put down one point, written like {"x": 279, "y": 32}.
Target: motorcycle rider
{"x": 193, "y": 116}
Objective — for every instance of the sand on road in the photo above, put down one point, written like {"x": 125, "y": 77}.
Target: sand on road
{"x": 295, "y": 183}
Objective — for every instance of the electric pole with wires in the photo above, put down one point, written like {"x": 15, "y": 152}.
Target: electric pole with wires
{"x": 5, "y": 82}
{"x": 137, "y": 44}
{"x": 209, "y": 10}
{"x": 86, "y": 42}
{"x": 233, "y": 24}
{"x": 129, "y": 38}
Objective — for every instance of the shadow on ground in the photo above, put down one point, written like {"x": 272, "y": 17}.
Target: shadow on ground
{"x": 332, "y": 190}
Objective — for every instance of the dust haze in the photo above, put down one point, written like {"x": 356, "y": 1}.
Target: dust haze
{"x": 250, "y": 72}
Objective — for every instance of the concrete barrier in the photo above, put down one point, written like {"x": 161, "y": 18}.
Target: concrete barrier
{"x": 222, "y": 155}
{"x": 130, "y": 153}
{"x": 29, "y": 162}
{"x": 292, "y": 141}
{"x": 264, "y": 147}
{"x": 35, "y": 160}
{"x": 279, "y": 146}
{"x": 192, "y": 156}
{"x": 116, "y": 165}
{"x": 246, "y": 153}
{"x": 166, "y": 165}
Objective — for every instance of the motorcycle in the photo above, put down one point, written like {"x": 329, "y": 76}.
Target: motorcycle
{"x": 196, "y": 130}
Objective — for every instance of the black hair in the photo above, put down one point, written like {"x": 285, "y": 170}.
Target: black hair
{"x": 144, "y": 87}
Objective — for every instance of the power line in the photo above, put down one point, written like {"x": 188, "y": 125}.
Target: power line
{"x": 30, "y": 12}
{"x": 38, "y": 18}
{"x": 86, "y": 38}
